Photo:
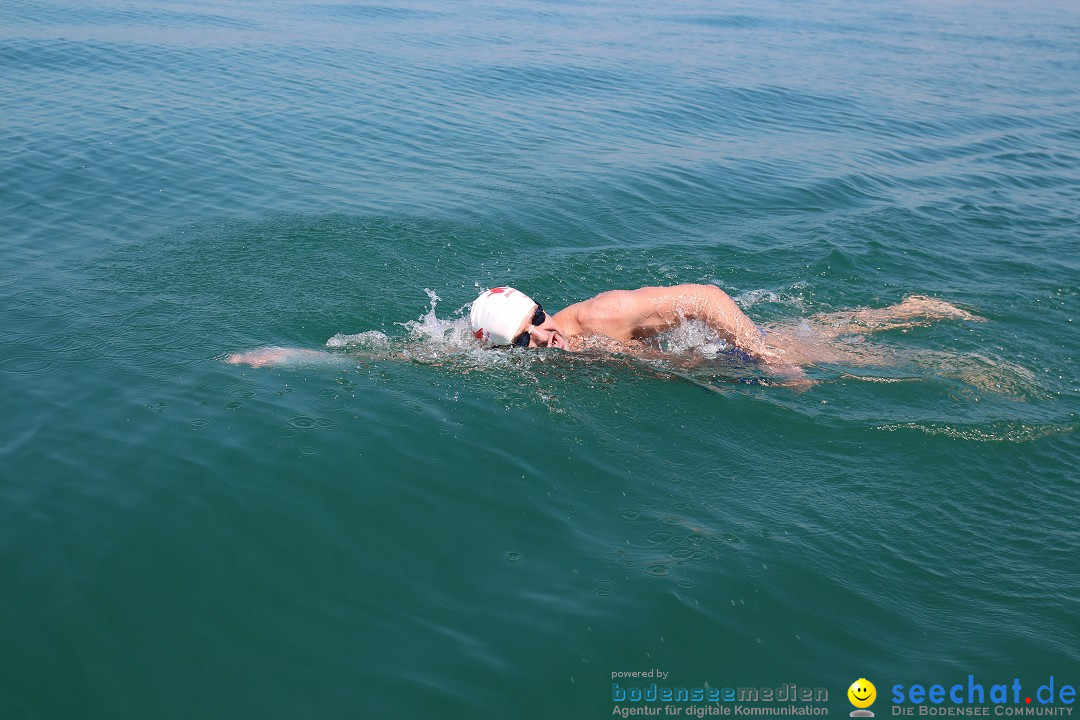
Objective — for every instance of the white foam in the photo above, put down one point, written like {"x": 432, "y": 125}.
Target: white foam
{"x": 789, "y": 296}
{"x": 692, "y": 337}
{"x": 448, "y": 335}
{"x": 370, "y": 338}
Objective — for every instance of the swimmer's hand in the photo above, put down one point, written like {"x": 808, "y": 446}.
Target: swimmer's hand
{"x": 787, "y": 374}
{"x": 278, "y": 356}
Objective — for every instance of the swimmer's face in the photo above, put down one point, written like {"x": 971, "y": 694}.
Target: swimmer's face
{"x": 546, "y": 334}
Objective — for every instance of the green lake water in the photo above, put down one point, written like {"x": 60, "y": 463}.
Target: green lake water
{"x": 415, "y": 528}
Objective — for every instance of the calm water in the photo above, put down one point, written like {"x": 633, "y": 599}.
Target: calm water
{"x": 420, "y": 530}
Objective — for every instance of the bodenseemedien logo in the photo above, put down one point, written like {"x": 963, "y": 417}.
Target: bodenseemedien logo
{"x": 862, "y": 694}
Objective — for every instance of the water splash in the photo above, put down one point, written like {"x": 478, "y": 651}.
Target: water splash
{"x": 692, "y": 338}
{"x": 429, "y": 340}
{"x": 791, "y": 297}
{"x": 427, "y": 330}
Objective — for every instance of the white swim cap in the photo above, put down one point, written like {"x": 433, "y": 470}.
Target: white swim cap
{"x": 498, "y": 313}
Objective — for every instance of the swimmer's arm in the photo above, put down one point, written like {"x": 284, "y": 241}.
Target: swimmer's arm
{"x": 635, "y": 314}
{"x": 280, "y": 356}
{"x": 716, "y": 309}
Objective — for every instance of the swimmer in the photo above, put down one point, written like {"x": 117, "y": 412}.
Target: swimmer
{"x": 625, "y": 320}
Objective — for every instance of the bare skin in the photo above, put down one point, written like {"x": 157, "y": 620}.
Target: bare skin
{"x": 262, "y": 357}
{"x": 626, "y": 315}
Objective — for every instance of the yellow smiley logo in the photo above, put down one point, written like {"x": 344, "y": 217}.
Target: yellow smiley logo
{"x": 862, "y": 693}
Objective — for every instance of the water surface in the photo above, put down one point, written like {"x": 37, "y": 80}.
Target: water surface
{"x": 420, "y": 529}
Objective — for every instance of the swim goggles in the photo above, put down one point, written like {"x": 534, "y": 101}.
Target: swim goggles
{"x": 525, "y": 338}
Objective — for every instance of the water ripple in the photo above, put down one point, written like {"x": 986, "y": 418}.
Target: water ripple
{"x": 1003, "y": 431}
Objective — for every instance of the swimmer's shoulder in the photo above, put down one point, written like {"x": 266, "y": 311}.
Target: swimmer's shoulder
{"x": 607, "y": 305}
{"x": 603, "y": 314}
{"x": 568, "y": 320}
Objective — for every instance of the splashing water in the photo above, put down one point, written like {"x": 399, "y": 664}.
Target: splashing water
{"x": 789, "y": 297}
{"x": 428, "y": 340}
